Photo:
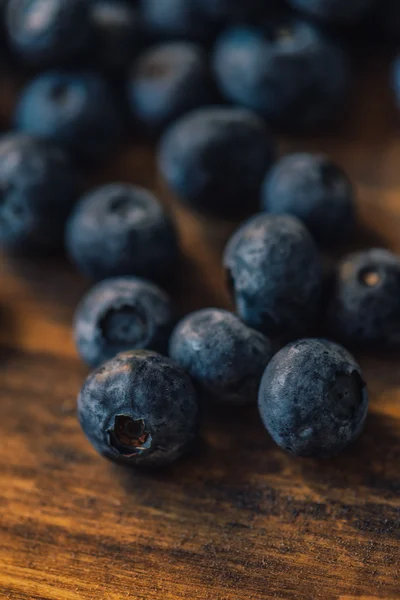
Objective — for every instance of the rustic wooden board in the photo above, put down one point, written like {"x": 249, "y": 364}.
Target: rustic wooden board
{"x": 238, "y": 520}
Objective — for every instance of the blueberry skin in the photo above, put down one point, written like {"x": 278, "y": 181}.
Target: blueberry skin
{"x": 396, "y": 80}
{"x": 364, "y": 304}
{"x": 77, "y": 110}
{"x": 117, "y": 33}
{"x": 139, "y": 409}
{"x": 168, "y": 81}
{"x": 121, "y": 229}
{"x": 312, "y": 398}
{"x": 215, "y": 159}
{"x": 275, "y": 274}
{"x": 47, "y": 32}
{"x": 334, "y": 10}
{"x": 223, "y": 356}
{"x": 122, "y": 314}
{"x": 288, "y": 72}
{"x": 38, "y": 188}
{"x": 316, "y": 191}
{"x": 177, "y": 19}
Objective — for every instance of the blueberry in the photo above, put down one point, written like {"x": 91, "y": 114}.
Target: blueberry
{"x": 117, "y": 32}
{"x": 166, "y": 82}
{"x": 77, "y": 110}
{"x": 312, "y": 399}
{"x": 275, "y": 275}
{"x": 38, "y": 187}
{"x": 364, "y": 307}
{"x": 177, "y": 19}
{"x": 334, "y": 10}
{"x": 215, "y": 159}
{"x": 122, "y": 314}
{"x": 312, "y": 188}
{"x": 48, "y": 31}
{"x": 139, "y": 409}
{"x": 288, "y": 72}
{"x": 224, "y": 357}
{"x": 121, "y": 229}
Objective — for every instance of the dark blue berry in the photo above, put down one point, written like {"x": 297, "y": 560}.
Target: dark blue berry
{"x": 288, "y": 72}
{"x": 139, "y": 409}
{"x": 364, "y": 307}
{"x": 121, "y": 314}
{"x": 312, "y": 188}
{"x": 215, "y": 159}
{"x": 121, "y": 229}
{"x": 224, "y": 357}
{"x": 38, "y": 187}
{"x": 396, "y": 80}
{"x": 177, "y": 19}
{"x": 77, "y": 110}
{"x": 117, "y": 32}
{"x": 312, "y": 399}
{"x": 50, "y": 31}
{"x": 275, "y": 275}
{"x": 334, "y": 10}
{"x": 166, "y": 82}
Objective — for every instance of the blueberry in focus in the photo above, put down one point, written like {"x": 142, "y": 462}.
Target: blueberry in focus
{"x": 287, "y": 71}
{"x": 224, "y": 357}
{"x": 215, "y": 159}
{"x": 139, "y": 409}
{"x": 315, "y": 190}
{"x": 312, "y": 398}
{"x": 38, "y": 188}
{"x": 121, "y": 314}
{"x": 275, "y": 275}
{"x": 334, "y": 10}
{"x": 50, "y": 31}
{"x": 77, "y": 110}
{"x": 167, "y": 81}
{"x": 122, "y": 229}
{"x": 117, "y": 33}
{"x": 364, "y": 307}
{"x": 177, "y": 19}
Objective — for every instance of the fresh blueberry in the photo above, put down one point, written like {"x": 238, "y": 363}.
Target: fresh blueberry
{"x": 312, "y": 399}
{"x": 77, "y": 110}
{"x": 139, "y": 409}
{"x": 48, "y": 31}
{"x": 288, "y": 72}
{"x": 275, "y": 275}
{"x": 177, "y": 19}
{"x": 312, "y": 188}
{"x": 334, "y": 10}
{"x": 166, "y": 82}
{"x": 117, "y": 32}
{"x": 121, "y": 229}
{"x": 223, "y": 356}
{"x": 38, "y": 187}
{"x": 364, "y": 308}
{"x": 215, "y": 159}
{"x": 121, "y": 314}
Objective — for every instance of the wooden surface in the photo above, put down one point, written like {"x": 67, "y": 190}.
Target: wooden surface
{"x": 238, "y": 520}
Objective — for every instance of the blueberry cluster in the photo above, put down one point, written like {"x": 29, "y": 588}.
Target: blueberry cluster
{"x": 214, "y": 81}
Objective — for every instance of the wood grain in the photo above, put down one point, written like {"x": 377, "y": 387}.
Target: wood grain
{"x": 237, "y": 520}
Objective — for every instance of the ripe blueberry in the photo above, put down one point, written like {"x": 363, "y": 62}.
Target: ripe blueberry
{"x": 139, "y": 409}
{"x": 121, "y": 229}
{"x": 312, "y": 188}
{"x": 312, "y": 399}
{"x": 77, "y": 110}
{"x": 215, "y": 159}
{"x": 275, "y": 275}
{"x": 121, "y": 314}
{"x": 224, "y": 357}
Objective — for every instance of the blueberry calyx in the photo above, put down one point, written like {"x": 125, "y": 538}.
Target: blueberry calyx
{"x": 129, "y": 436}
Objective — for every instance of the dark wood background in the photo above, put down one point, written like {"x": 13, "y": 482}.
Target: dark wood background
{"x": 238, "y": 520}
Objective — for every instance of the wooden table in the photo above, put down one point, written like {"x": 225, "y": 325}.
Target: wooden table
{"x": 239, "y": 520}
